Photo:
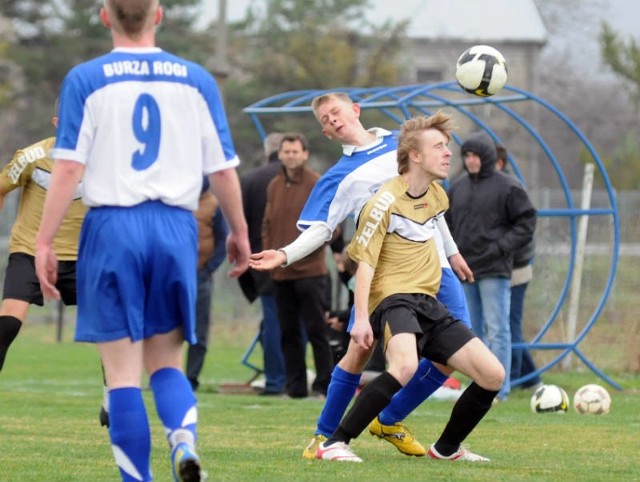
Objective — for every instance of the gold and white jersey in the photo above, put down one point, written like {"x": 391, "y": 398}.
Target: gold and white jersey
{"x": 395, "y": 235}
{"x": 30, "y": 169}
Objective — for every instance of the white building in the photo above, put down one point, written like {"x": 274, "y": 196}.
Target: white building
{"x": 440, "y": 30}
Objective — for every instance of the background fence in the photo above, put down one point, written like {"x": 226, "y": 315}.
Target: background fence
{"x": 613, "y": 342}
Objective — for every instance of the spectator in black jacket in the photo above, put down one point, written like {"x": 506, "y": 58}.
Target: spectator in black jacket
{"x": 491, "y": 218}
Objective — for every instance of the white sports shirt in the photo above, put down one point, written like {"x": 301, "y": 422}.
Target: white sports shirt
{"x": 146, "y": 124}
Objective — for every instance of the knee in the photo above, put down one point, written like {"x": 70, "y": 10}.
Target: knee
{"x": 403, "y": 371}
{"x": 355, "y": 359}
{"x": 493, "y": 377}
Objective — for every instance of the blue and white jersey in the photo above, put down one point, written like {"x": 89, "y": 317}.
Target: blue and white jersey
{"x": 347, "y": 186}
{"x": 124, "y": 116}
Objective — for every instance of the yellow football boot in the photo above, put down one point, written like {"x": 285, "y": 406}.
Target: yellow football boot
{"x": 399, "y": 435}
{"x": 312, "y": 448}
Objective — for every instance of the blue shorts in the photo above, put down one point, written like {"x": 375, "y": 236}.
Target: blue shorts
{"x": 136, "y": 273}
{"x": 451, "y": 295}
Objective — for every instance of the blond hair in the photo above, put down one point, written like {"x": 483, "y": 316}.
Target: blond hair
{"x": 409, "y": 137}
{"x": 324, "y": 98}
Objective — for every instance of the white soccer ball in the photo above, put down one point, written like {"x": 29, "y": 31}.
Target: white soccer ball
{"x": 593, "y": 399}
{"x": 481, "y": 70}
{"x": 549, "y": 399}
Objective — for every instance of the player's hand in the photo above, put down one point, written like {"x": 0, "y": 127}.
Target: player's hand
{"x": 267, "y": 260}
{"x": 238, "y": 252}
{"x": 460, "y": 266}
{"x": 362, "y": 334}
{"x": 47, "y": 271}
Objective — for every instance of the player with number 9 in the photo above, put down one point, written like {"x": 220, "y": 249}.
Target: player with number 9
{"x": 140, "y": 127}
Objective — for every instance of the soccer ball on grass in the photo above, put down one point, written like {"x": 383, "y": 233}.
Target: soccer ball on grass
{"x": 549, "y": 399}
{"x": 481, "y": 70}
{"x": 592, "y": 399}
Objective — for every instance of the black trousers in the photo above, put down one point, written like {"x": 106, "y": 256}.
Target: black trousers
{"x": 301, "y": 302}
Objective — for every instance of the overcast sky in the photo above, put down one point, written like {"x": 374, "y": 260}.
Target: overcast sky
{"x": 624, "y": 15}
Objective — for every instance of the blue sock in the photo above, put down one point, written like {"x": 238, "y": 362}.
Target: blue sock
{"x": 426, "y": 380}
{"x": 342, "y": 388}
{"x": 130, "y": 434}
{"x": 175, "y": 402}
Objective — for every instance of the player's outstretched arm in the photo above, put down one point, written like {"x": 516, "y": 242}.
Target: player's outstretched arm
{"x": 226, "y": 187}
{"x": 306, "y": 243}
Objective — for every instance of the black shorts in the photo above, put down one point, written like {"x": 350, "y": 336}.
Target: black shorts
{"x": 21, "y": 282}
{"x": 439, "y": 335}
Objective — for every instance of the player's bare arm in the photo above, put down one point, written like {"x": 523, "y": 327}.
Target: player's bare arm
{"x": 65, "y": 177}
{"x": 361, "y": 332}
{"x": 226, "y": 186}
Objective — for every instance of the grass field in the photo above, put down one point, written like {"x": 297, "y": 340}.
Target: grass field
{"x": 49, "y": 430}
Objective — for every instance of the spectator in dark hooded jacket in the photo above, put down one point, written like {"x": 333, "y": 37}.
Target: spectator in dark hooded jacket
{"x": 490, "y": 217}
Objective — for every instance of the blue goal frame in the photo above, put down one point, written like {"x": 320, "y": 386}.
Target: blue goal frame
{"x": 402, "y": 102}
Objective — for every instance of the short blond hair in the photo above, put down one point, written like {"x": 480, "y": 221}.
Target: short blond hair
{"x": 409, "y": 137}
{"x": 324, "y": 98}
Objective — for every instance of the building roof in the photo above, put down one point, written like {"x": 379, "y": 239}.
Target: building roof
{"x": 468, "y": 20}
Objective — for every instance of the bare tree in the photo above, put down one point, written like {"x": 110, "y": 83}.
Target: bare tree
{"x": 572, "y": 79}
{"x": 623, "y": 57}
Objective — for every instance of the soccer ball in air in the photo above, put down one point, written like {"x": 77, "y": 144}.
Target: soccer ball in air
{"x": 549, "y": 398}
{"x": 481, "y": 70}
{"x": 592, "y": 399}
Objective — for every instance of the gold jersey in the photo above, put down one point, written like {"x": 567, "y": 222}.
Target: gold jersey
{"x": 30, "y": 169}
{"x": 395, "y": 236}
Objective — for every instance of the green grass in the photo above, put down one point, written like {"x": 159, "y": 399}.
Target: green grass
{"x": 50, "y": 395}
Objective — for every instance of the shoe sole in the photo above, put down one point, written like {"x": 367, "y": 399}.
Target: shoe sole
{"x": 190, "y": 471}
{"x": 459, "y": 458}
{"x": 351, "y": 458}
{"x": 104, "y": 417}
